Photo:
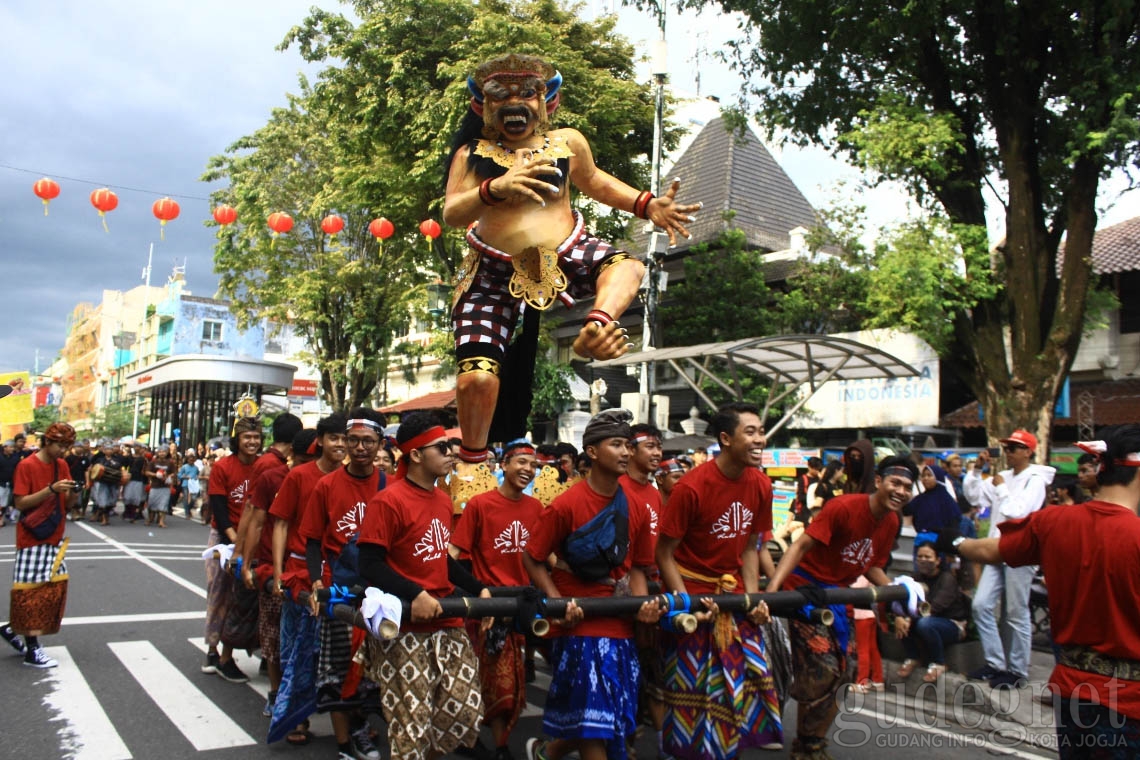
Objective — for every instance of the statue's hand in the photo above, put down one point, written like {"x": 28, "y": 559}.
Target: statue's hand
{"x": 527, "y": 179}
{"x": 601, "y": 343}
{"x": 671, "y": 216}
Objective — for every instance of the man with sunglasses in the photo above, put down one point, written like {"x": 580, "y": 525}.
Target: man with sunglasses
{"x": 1012, "y": 494}
{"x": 334, "y": 514}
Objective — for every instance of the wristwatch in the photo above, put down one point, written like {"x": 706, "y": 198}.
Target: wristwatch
{"x": 957, "y": 542}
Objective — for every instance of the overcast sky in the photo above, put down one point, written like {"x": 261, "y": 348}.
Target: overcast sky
{"x": 138, "y": 95}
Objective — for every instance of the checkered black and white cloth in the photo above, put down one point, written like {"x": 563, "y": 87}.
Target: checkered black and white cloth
{"x": 33, "y": 564}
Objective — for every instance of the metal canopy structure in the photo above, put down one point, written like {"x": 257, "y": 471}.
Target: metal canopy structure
{"x": 789, "y": 362}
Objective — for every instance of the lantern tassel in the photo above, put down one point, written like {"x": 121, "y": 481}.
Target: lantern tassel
{"x": 273, "y": 242}
{"x": 162, "y": 230}
{"x": 103, "y": 218}
{"x": 46, "y": 202}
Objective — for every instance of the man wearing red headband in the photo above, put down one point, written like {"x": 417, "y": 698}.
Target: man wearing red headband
{"x": 335, "y": 513}
{"x": 429, "y": 673}
{"x": 44, "y": 492}
{"x": 708, "y": 545}
{"x": 509, "y": 184}
{"x": 291, "y": 571}
{"x": 493, "y": 530}
{"x": 1090, "y": 555}
{"x": 667, "y": 475}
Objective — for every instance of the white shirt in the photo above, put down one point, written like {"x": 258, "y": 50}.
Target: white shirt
{"x": 1019, "y": 496}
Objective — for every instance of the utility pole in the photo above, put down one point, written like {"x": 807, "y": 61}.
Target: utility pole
{"x": 142, "y": 338}
{"x": 659, "y": 63}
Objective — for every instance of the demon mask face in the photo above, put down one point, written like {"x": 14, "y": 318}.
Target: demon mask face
{"x": 515, "y": 95}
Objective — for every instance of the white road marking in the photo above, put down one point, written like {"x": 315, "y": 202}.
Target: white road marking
{"x": 202, "y": 722}
{"x": 147, "y": 617}
{"x": 148, "y": 562}
{"x": 85, "y": 730}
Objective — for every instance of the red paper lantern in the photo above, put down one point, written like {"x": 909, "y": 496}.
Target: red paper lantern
{"x": 104, "y": 200}
{"x": 430, "y": 229}
{"x": 332, "y": 224}
{"x": 46, "y": 189}
{"x": 165, "y": 210}
{"x": 224, "y": 215}
{"x": 280, "y": 223}
{"x": 381, "y": 228}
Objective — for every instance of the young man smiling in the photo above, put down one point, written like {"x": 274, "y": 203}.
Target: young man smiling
{"x": 852, "y": 536}
{"x": 708, "y": 544}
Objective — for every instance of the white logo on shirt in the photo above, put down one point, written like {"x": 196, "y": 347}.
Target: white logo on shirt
{"x": 735, "y": 522}
{"x": 857, "y": 553}
{"x": 237, "y": 496}
{"x": 433, "y": 545}
{"x": 652, "y": 519}
{"x": 512, "y": 539}
{"x": 350, "y": 522}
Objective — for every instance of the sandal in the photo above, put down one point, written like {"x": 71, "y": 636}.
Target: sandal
{"x": 300, "y": 736}
{"x": 907, "y": 668}
{"x": 864, "y": 687}
{"x": 934, "y": 671}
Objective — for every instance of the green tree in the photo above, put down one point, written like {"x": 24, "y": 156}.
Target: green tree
{"x": 723, "y": 295}
{"x": 347, "y": 297}
{"x": 44, "y": 416}
{"x": 115, "y": 421}
{"x": 1034, "y": 100}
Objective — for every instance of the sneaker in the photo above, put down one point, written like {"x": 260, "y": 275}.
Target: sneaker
{"x": 362, "y": 746}
{"x": 12, "y": 638}
{"x": 229, "y": 671}
{"x": 267, "y": 711}
{"x": 983, "y": 673}
{"x": 211, "y": 664}
{"x": 534, "y": 748}
{"x": 342, "y": 755}
{"x": 1007, "y": 680}
{"x": 37, "y": 659}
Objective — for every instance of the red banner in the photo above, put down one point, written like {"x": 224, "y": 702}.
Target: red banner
{"x": 304, "y": 389}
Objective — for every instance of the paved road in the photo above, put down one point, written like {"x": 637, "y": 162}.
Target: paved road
{"x": 129, "y": 685}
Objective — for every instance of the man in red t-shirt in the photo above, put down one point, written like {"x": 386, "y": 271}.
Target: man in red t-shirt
{"x": 271, "y": 467}
{"x": 335, "y": 513}
{"x": 44, "y": 491}
{"x": 297, "y": 625}
{"x": 708, "y": 544}
{"x": 493, "y": 531}
{"x": 851, "y": 536}
{"x": 430, "y": 667}
{"x": 230, "y": 481}
{"x": 1090, "y": 554}
{"x": 668, "y": 473}
{"x": 595, "y": 721}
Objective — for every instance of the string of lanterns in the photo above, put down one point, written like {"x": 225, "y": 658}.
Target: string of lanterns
{"x": 167, "y": 210}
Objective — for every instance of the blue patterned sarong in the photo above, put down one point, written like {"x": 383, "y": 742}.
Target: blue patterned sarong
{"x": 593, "y": 691}
{"x": 297, "y": 694}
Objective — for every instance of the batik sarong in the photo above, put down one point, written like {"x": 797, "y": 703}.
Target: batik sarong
{"x": 821, "y": 668}
{"x": 297, "y": 693}
{"x": 269, "y": 626}
{"x": 430, "y": 693}
{"x": 719, "y": 701}
{"x": 39, "y": 589}
{"x": 502, "y": 671}
{"x": 219, "y": 583}
{"x": 593, "y": 691}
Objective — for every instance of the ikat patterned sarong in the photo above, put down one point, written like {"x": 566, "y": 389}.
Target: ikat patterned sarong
{"x": 297, "y": 694}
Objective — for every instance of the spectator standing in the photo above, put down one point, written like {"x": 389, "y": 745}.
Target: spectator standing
{"x": 188, "y": 475}
{"x": 8, "y": 461}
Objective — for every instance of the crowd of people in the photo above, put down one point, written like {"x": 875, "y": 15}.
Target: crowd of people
{"x": 321, "y": 514}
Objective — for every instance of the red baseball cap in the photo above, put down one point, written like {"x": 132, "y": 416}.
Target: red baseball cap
{"x": 1024, "y": 437}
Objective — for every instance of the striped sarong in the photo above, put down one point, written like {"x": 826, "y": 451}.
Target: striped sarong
{"x": 719, "y": 701}
{"x": 430, "y": 691}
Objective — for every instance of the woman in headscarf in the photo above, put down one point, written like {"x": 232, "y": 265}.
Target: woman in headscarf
{"x": 935, "y": 508}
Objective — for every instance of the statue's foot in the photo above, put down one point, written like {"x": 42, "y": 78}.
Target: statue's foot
{"x": 597, "y": 342}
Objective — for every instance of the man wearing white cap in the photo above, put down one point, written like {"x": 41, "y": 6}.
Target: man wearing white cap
{"x": 1011, "y": 494}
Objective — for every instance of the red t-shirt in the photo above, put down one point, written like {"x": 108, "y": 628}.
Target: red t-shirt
{"x": 568, "y": 512}
{"x": 267, "y": 462}
{"x": 265, "y": 487}
{"x": 1090, "y": 554}
{"x": 853, "y": 541}
{"x": 336, "y": 511}
{"x": 414, "y": 527}
{"x": 33, "y": 475}
{"x": 716, "y": 519}
{"x": 292, "y": 501}
{"x": 646, "y": 494}
{"x": 231, "y": 478}
{"x": 494, "y": 530}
